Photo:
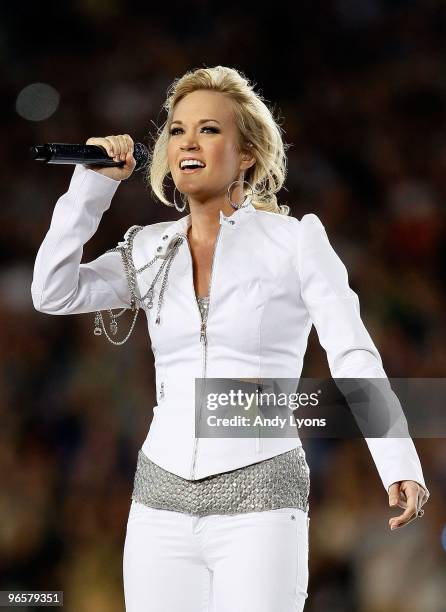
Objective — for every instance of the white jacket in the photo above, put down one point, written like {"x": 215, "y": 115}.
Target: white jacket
{"x": 273, "y": 276}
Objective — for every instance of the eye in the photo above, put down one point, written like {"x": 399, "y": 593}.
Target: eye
{"x": 174, "y": 131}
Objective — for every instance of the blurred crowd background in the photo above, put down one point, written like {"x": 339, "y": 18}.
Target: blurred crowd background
{"x": 361, "y": 87}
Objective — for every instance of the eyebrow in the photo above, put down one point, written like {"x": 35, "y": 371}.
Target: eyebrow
{"x": 201, "y": 121}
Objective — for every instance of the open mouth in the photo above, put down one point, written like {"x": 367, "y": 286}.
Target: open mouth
{"x": 189, "y": 167}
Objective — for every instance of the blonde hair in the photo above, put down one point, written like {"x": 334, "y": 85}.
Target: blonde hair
{"x": 260, "y": 133}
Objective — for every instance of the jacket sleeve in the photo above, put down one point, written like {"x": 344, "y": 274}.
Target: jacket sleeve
{"x": 334, "y": 309}
{"x": 61, "y": 284}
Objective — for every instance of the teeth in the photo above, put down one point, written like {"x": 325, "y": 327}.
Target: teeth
{"x": 191, "y": 162}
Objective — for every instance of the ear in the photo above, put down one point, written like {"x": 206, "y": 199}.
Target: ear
{"x": 247, "y": 159}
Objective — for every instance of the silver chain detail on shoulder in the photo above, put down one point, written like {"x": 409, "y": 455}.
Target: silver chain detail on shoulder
{"x": 126, "y": 250}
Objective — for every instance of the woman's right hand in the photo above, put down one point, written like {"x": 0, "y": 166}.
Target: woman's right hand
{"x": 120, "y": 148}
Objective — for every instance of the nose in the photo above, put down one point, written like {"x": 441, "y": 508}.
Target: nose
{"x": 186, "y": 145}
{"x": 188, "y": 142}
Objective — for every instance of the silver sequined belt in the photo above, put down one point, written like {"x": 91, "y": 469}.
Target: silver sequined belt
{"x": 282, "y": 481}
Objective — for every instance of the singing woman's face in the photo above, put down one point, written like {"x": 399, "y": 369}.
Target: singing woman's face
{"x": 203, "y": 128}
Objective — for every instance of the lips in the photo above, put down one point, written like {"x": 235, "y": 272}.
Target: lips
{"x": 187, "y": 170}
{"x": 191, "y": 159}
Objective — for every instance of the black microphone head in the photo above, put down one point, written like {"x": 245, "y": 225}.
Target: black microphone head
{"x": 141, "y": 155}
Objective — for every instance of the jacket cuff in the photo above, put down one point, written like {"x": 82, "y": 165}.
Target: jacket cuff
{"x": 95, "y": 183}
{"x": 396, "y": 459}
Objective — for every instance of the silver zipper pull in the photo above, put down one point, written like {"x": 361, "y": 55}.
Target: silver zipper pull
{"x": 97, "y": 324}
{"x": 203, "y": 332}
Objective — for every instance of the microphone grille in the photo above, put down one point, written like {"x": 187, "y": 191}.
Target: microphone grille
{"x": 141, "y": 155}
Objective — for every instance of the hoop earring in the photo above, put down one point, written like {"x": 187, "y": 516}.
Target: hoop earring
{"x": 234, "y": 204}
{"x": 175, "y": 203}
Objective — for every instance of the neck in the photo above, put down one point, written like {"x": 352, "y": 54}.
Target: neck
{"x": 205, "y": 218}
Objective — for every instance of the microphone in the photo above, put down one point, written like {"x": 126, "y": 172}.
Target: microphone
{"x": 61, "y": 153}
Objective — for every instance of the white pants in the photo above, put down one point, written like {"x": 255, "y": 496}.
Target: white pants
{"x": 248, "y": 562}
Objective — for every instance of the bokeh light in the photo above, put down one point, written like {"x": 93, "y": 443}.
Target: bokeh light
{"x": 37, "y": 102}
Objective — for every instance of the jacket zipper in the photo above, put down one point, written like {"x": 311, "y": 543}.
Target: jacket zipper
{"x": 203, "y": 336}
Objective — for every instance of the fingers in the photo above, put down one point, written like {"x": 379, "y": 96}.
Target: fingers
{"x": 105, "y": 143}
{"x": 412, "y": 506}
{"x": 116, "y": 147}
{"x": 402, "y": 502}
{"x": 424, "y": 496}
{"x": 122, "y": 144}
{"x": 123, "y": 147}
{"x": 130, "y": 143}
{"x": 394, "y": 494}
{"x": 408, "y": 515}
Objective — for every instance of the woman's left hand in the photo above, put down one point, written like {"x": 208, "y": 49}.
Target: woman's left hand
{"x": 409, "y": 495}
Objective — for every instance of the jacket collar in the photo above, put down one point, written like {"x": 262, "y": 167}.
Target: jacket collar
{"x": 180, "y": 226}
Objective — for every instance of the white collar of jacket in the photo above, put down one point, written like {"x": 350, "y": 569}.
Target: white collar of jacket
{"x": 181, "y": 226}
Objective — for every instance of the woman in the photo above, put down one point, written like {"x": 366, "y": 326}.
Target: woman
{"x": 230, "y": 291}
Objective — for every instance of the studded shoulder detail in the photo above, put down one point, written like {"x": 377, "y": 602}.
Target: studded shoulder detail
{"x": 125, "y": 247}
